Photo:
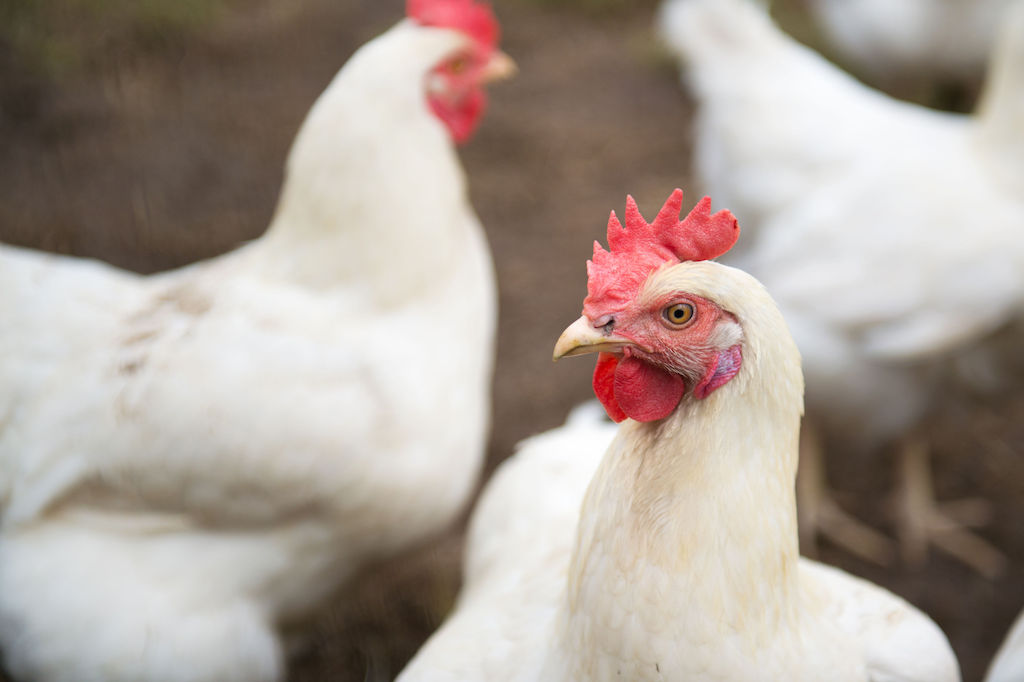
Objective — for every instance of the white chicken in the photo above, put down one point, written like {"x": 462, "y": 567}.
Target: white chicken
{"x": 939, "y": 40}
{"x": 1008, "y": 664}
{"x": 192, "y": 459}
{"x": 888, "y": 233}
{"x": 679, "y": 561}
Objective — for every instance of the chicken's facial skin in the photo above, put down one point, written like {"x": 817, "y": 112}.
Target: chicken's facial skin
{"x": 654, "y": 349}
{"x": 455, "y": 90}
{"x": 455, "y": 84}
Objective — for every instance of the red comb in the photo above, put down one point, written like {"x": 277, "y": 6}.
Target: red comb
{"x": 634, "y": 252}
{"x": 475, "y": 19}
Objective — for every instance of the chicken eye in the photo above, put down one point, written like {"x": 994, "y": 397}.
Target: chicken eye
{"x": 678, "y": 314}
{"x": 458, "y": 65}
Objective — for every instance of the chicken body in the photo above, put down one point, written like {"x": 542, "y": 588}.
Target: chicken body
{"x": 682, "y": 560}
{"x": 939, "y": 39}
{"x": 190, "y": 459}
{"x": 777, "y": 123}
{"x": 871, "y": 220}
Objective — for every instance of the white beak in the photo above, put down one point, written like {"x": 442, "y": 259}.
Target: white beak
{"x": 499, "y": 67}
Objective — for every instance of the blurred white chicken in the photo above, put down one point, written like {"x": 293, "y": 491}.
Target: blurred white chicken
{"x": 1008, "y": 664}
{"x": 679, "y": 560}
{"x": 946, "y": 42}
{"x": 890, "y": 235}
{"x": 192, "y": 459}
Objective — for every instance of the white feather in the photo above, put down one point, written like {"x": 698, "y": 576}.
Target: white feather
{"x": 1008, "y": 664}
{"x": 913, "y": 38}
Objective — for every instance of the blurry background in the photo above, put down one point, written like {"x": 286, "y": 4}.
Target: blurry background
{"x": 152, "y": 133}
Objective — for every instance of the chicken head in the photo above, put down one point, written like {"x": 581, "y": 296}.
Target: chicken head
{"x": 655, "y": 340}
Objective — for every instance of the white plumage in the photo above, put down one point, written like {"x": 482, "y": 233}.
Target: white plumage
{"x": 776, "y": 122}
{"x": 890, "y": 234}
{"x": 679, "y": 560}
{"x": 191, "y": 459}
{"x": 912, "y": 39}
{"x": 1008, "y": 664}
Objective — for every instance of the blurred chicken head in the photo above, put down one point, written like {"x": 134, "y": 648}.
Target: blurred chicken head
{"x": 455, "y": 86}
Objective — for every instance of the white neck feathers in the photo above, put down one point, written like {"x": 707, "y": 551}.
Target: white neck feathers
{"x": 373, "y": 192}
{"x": 688, "y": 528}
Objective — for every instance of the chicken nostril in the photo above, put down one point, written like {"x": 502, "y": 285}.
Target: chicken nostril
{"x": 606, "y": 323}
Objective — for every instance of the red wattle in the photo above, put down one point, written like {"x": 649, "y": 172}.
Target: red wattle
{"x": 632, "y": 388}
{"x": 460, "y": 118}
{"x": 604, "y": 385}
{"x": 647, "y": 393}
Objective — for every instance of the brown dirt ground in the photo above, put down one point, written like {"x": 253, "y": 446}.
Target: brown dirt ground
{"x": 151, "y": 159}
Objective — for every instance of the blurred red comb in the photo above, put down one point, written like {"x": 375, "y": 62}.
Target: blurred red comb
{"x": 634, "y": 252}
{"x": 475, "y": 19}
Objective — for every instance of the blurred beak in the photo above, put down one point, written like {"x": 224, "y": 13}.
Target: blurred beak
{"x": 499, "y": 67}
{"x": 580, "y": 338}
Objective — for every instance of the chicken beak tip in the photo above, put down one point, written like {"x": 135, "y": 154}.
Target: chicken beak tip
{"x": 499, "y": 67}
